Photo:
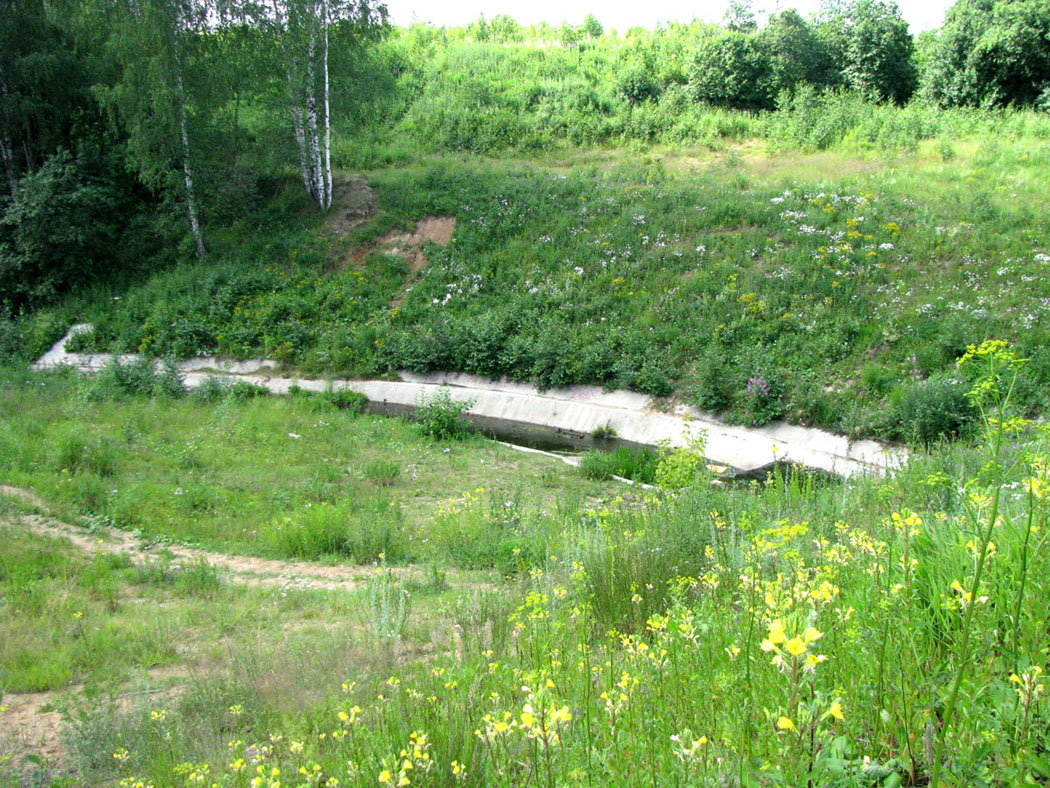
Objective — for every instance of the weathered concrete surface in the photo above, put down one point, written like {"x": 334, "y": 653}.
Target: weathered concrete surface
{"x": 579, "y": 409}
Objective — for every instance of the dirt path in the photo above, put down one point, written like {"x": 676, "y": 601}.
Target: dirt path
{"x": 243, "y": 570}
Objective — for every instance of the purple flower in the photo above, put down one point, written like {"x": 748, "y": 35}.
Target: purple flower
{"x": 757, "y": 386}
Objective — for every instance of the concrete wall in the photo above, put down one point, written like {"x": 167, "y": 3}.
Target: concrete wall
{"x": 582, "y": 409}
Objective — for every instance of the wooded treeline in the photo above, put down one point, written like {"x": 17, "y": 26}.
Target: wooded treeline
{"x": 126, "y": 124}
{"x": 128, "y": 129}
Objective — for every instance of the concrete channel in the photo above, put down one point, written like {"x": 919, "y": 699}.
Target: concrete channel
{"x": 567, "y": 418}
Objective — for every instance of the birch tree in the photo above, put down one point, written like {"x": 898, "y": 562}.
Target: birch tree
{"x": 153, "y": 42}
{"x": 304, "y": 28}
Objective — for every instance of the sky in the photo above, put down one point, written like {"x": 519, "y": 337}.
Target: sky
{"x": 921, "y": 14}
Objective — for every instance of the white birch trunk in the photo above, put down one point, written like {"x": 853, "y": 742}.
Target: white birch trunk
{"x": 311, "y": 124}
{"x": 327, "y": 122}
{"x": 300, "y": 141}
{"x": 187, "y": 173}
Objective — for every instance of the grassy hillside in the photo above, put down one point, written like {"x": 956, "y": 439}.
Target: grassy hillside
{"x": 828, "y": 288}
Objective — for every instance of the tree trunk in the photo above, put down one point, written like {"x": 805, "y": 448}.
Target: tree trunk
{"x": 7, "y": 152}
{"x": 327, "y": 121}
{"x": 300, "y": 141}
{"x": 191, "y": 195}
{"x": 311, "y": 120}
{"x": 284, "y": 22}
{"x": 9, "y": 162}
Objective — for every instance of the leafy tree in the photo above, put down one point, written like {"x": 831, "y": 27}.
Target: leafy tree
{"x": 740, "y": 17}
{"x": 44, "y": 98}
{"x": 874, "y": 47}
{"x": 155, "y": 44}
{"x": 636, "y": 80}
{"x": 592, "y": 28}
{"x": 504, "y": 28}
{"x": 990, "y": 52}
{"x": 796, "y": 53}
{"x": 569, "y": 35}
{"x": 59, "y": 230}
{"x": 303, "y": 29}
{"x": 479, "y": 29}
{"x": 637, "y": 84}
{"x": 733, "y": 70}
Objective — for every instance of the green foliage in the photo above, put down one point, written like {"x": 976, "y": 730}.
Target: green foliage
{"x": 878, "y": 53}
{"x": 360, "y": 531}
{"x": 681, "y": 466}
{"x": 196, "y": 579}
{"x": 733, "y": 71}
{"x": 439, "y": 416}
{"x": 212, "y": 389}
{"x": 26, "y": 336}
{"x": 137, "y": 377}
{"x": 345, "y": 399}
{"x": 720, "y": 634}
{"x": 713, "y": 390}
{"x": 637, "y": 277}
{"x": 78, "y": 453}
{"x": 45, "y": 105}
{"x": 936, "y": 409}
{"x": 59, "y": 232}
{"x": 636, "y": 464}
{"x": 762, "y": 399}
{"x": 798, "y": 56}
{"x": 637, "y": 84}
{"x": 388, "y": 604}
{"x": 989, "y": 53}
{"x": 382, "y": 472}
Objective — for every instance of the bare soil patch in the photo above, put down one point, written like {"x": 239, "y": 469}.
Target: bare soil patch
{"x": 437, "y": 229}
{"x": 31, "y": 726}
{"x": 353, "y": 202}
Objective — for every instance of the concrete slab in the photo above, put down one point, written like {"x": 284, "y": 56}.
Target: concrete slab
{"x": 579, "y": 409}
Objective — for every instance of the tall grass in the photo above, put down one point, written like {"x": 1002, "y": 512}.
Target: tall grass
{"x": 795, "y": 632}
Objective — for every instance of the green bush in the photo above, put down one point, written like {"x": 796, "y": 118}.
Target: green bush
{"x": 713, "y": 390}
{"x": 136, "y": 378}
{"x": 345, "y": 399}
{"x": 211, "y": 389}
{"x": 762, "y": 400}
{"x": 215, "y": 388}
{"x": 439, "y": 416}
{"x": 681, "y": 466}
{"x": 936, "y": 409}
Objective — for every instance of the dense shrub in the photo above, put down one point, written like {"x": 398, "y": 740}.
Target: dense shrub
{"x": 439, "y": 416}
{"x": 936, "y": 409}
{"x": 733, "y": 71}
{"x": 138, "y": 377}
{"x": 62, "y": 229}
